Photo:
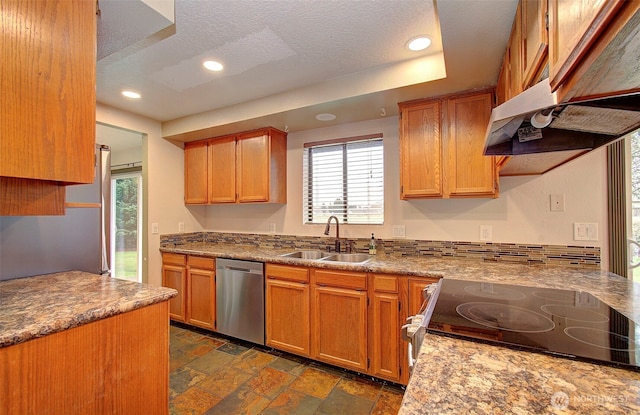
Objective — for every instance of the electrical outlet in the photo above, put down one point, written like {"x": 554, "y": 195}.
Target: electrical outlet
{"x": 556, "y": 203}
{"x": 486, "y": 233}
{"x": 154, "y": 228}
{"x": 180, "y": 226}
{"x": 272, "y": 228}
{"x": 399, "y": 231}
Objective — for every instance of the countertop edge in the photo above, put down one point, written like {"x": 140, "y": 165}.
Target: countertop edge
{"x": 145, "y": 295}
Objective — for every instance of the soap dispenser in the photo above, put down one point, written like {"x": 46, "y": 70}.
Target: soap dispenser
{"x": 372, "y": 245}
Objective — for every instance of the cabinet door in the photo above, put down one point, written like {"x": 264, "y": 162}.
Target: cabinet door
{"x": 384, "y": 336}
{"x": 222, "y": 170}
{"x": 48, "y": 90}
{"x": 420, "y": 151}
{"x": 469, "y": 173}
{"x": 514, "y": 56}
{"x": 195, "y": 173}
{"x": 416, "y": 285}
{"x": 253, "y": 172}
{"x": 534, "y": 40}
{"x": 287, "y": 316}
{"x": 174, "y": 276}
{"x": 573, "y": 27}
{"x": 201, "y": 298}
{"x": 340, "y": 327}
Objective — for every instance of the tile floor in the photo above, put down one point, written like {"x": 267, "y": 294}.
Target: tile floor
{"x": 211, "y": 374}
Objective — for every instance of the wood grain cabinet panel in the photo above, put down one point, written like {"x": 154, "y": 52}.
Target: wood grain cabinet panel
{"x": 48, "y": 102}
{"x": 222, "y": 170}
{"x": 573, "y": 27}
{"x": 441, "y": 145}
{"x": 384, "y": 340}
{"x": 288, "y": 309}
{"x": 248, "y": 167}
{"x": 468, "y": 171}
{"x": 195, "y": 176}
{"x": 118, "y": 365}
{"x": 339, "y": 320}
{"x": 174, "y": 275}
{"x": 201, "y": 292}
{"x": 420, "y": 150}
{"x": 535, "y": 40}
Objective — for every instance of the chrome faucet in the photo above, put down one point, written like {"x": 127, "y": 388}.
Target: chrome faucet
{"x": 326, "y": 231}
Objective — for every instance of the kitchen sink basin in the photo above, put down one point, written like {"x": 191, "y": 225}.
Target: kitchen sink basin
{"x": 352, "y": 258}
{"x": 310, "y": 254}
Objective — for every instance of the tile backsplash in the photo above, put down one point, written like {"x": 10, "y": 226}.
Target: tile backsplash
{"x": 554, "y": 255}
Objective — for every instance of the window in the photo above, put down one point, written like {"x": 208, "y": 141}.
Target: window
{"x": 344, "y": 178}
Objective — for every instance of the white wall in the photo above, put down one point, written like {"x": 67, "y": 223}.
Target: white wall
{"x": 520, "y": 215}
{"x": 163, "y": 184}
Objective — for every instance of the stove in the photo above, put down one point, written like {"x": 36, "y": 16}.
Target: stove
{"x": 572, "y": 324}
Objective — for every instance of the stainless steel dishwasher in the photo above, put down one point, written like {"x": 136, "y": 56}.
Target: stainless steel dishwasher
{"x": 240, "y": 299}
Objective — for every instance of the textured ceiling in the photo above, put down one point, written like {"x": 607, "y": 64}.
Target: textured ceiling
{"x": 286, "y": 60}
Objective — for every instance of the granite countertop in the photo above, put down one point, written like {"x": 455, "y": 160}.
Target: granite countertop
{"x": 454, "y": 376}
{"x": 33, "y": 307}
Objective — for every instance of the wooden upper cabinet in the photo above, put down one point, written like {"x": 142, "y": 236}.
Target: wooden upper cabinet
{"x": 48, "y": 102}
{"x": 420, "y": 150}
{"x": 573, "y": 26}
{"x": 469, "y": 173}
{"x": 513, "y": 57}
{"x": 441, "y": 146}
{"x": 249, "y": 167}
{"x": 534, "y": 40}
{"x": 222, "y": 170}
{"x": 594, "y": 47}
{"x": 195, "y": 176}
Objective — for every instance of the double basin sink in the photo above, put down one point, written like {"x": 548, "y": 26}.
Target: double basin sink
{"x": 314, "y": 255}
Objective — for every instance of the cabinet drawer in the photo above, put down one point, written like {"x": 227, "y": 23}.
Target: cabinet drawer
{"x": 287, "y": 273}
{"x": 342, "y": 279}
{"x": 385, "y": 283}
{"x": 201, "y": 262}
{"x": 174, "y": 259}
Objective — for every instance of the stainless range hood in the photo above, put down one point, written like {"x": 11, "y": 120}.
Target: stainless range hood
{"x": 541, "y": 133}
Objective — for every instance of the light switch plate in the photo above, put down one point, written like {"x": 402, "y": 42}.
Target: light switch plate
{"x": 399, "y": 231}
{"x": 585, "y": 231}
{"x": 486, "y": 233}
{"x": 154, "y": 228}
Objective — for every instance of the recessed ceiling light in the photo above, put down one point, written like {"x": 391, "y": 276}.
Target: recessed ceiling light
{"x": 213, "y": 66}
{"x": 419, "y": 43}
{"x": 131, "y": 94}
{"x": 325, "y": 117}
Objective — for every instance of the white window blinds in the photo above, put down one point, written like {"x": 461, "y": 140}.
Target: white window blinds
{"x": 344, "y": 178}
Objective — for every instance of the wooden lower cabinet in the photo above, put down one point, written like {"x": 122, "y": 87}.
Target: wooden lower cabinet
{"x": 339, "y": 318}
{"x": 384, "y": 327}
{"x": 174, "y": 275}
{"x": 201, "y": 292}
{"x": 287, "y": 308}
{"x": 118, "y": 365}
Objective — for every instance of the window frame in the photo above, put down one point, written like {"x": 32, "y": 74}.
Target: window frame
{"x": 307, "y": 193}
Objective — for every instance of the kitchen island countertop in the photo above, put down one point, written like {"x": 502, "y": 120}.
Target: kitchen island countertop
{"x": 33, "y": 307}
{"x": 454, "y": 376}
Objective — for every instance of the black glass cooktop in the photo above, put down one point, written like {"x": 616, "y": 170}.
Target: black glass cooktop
{"x": 568, "y": 323}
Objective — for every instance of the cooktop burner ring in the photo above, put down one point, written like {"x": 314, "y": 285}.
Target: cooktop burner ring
{"x": 494, "y": 291}
{"x": 555, "y": 295}
{"x": 505, "y": 317}
{"x": 574, "y": 313}
{"x": 591, "y": 336}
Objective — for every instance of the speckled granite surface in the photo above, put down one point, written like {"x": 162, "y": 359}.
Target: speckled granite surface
{"x": 454, "y": 376}
{"x": 40, "y": 305}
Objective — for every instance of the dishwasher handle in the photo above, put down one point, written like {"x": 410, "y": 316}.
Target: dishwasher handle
{"x": 245, "y": 270}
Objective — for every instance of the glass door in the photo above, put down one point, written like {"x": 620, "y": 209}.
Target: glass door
{"x": 126, "y": 225}
{"x": 633, "y": 204}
